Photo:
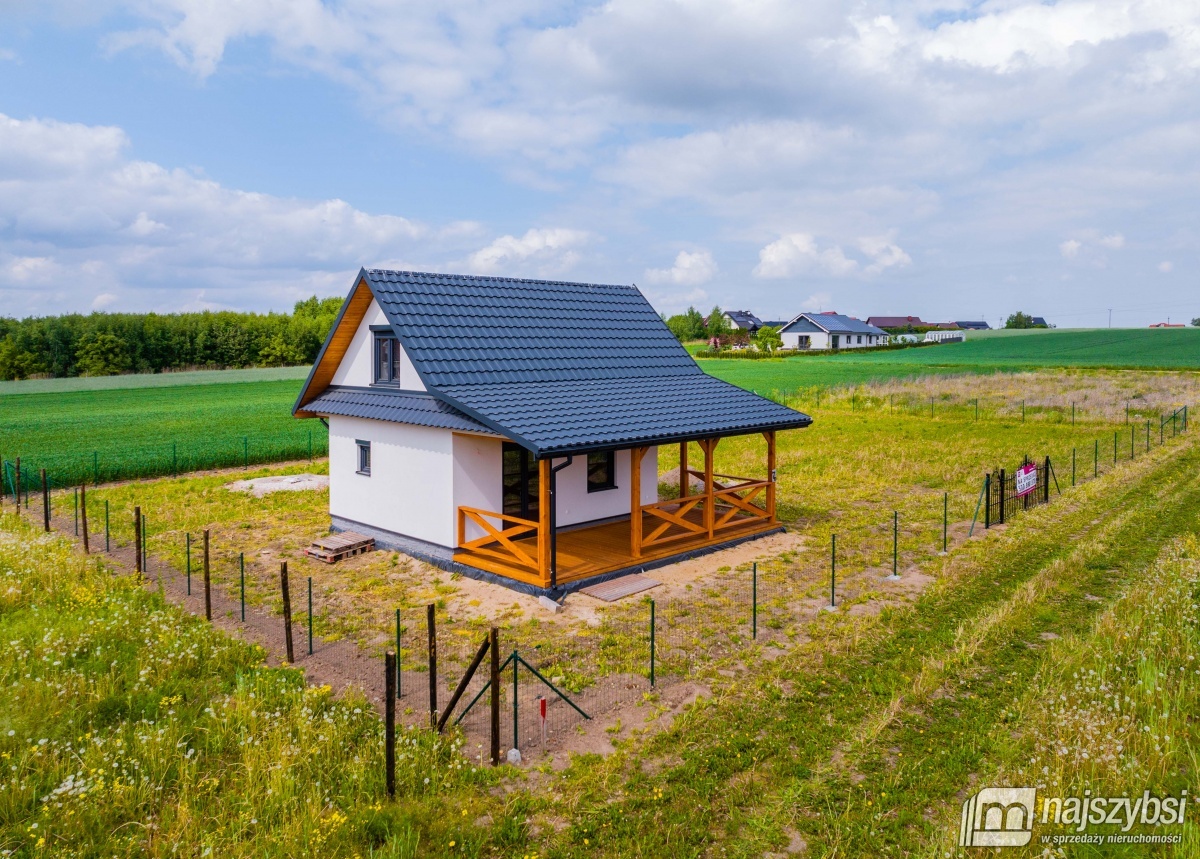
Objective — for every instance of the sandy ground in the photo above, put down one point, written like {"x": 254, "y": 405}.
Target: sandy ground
{"x": 260, "y": 486}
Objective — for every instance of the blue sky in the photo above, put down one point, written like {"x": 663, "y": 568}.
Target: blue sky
{"x": 957, "y": 160}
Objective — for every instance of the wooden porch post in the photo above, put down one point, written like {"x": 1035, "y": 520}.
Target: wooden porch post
{"x": 710, "y": 447}
{"x": 635, "y": 500}
{"x": 544, "y": 521}
{"x": 770, "y": 436}
{"x": 684, "y": 477}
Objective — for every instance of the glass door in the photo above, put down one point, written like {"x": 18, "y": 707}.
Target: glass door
{"x": 521, "y": 482}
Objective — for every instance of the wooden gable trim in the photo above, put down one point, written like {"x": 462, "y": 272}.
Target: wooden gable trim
{"x": 336, "y": 346}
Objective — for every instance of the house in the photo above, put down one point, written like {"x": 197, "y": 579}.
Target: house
{"x": 1038, "y": 322}
{"x": 830, "y": 331}
{"x": 974, "y": 326}
{"x": 743, "y": 320}
{"x": 1168, "y": 325}
{"x": 898, "y": 322}
{"x": 529, "y": 459}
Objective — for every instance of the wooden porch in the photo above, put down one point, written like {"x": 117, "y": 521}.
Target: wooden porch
{"x": 726, "y": 508}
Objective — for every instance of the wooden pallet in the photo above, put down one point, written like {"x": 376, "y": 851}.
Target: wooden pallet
{"x": 335, "y": 547}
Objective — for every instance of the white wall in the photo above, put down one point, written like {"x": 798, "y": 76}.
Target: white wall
{"x": 411, "y": 486}
{"x": 478, "y": 470}
{"x": 819, "y": 339}
{"x": 358, "y": 365}
{"x": 576, "y": 504}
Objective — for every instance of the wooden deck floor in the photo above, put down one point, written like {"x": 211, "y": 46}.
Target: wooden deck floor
{"x": 593, "y": 550}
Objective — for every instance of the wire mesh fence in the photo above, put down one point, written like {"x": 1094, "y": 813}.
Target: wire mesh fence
{"x": 163, "y": 459}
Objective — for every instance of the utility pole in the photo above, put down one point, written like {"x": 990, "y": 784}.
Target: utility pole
{"x": 1110, "y": 317}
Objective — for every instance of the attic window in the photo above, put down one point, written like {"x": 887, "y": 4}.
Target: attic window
{"x": 387, "y": 360}
{"x": 601, "y": 471}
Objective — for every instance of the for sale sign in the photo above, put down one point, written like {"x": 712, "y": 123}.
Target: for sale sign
{"x": 1026, "y": 479}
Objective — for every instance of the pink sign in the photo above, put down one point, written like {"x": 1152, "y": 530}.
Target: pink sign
{"x": 1026, "y": 479}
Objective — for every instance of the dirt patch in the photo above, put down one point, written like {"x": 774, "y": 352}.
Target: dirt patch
{"x": 260, "y": 486}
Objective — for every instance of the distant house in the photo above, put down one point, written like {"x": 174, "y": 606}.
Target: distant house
{"x": 898, "y": 322}
{"x": 1038, "y": 322}
{"x": 533, "y": 460}
{"x": 974, "y": 326}
{"x": 1168, "y": 325}
{"x": 743, "y": 320}
{"x": 830, "y": 331}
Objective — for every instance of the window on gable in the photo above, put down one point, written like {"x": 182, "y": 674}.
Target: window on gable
{"x": 602, "y": 471}
{"x": 364, "y": 457}
{"x": 388, "y": 356}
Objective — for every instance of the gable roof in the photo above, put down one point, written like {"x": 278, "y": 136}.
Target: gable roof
{"x": 897, "y": 321}
{"x": 833, "y": 323}
{"x": 974, "y": 326}
{"x": 744, "y": 319}
{"x": 575, "y": 367}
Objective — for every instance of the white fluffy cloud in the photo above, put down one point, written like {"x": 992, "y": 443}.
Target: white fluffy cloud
{"x": 550, "y": 252}
{"x": 79, "y": 218}
{"x": 691, "y": 268}
{"x": 799, "y": 253}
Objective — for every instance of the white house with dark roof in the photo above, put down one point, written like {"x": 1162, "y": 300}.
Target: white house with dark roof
{"x": 830, "y": 331}
{"x": 531, "y": 460}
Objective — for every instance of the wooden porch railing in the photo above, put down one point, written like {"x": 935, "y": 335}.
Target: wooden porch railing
{"x": 686, "y": 518}
{"x": 498, "y": 542}
{"x": 673, "y": 515}
{"x": 735, "y": 503}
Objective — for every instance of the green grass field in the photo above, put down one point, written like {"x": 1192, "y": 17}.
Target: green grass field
{"x": 146, "y": 431}
{"x": 1116, "y": 348}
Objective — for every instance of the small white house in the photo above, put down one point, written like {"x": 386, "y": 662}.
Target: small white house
{"x": 830, "y": 331}
{"x": 530, "y": 458}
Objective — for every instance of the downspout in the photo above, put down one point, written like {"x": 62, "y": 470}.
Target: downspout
{"x": 554, "y": 470}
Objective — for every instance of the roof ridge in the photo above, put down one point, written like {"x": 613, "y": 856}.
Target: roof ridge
{"x": 495, "y": 279}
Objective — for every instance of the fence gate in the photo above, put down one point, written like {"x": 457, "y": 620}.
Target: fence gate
{"x": 1008, "y": 492}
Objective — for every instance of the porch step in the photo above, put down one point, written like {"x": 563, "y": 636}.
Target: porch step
{"x": 335, "y": 547}
{"x": 615, "y": 589}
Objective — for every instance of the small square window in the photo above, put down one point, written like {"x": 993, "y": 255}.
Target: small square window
{"x": 364, "y": 457}
{"x": 602, "y": 471}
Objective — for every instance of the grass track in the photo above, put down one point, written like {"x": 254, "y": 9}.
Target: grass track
{"x": 854, "y": 743}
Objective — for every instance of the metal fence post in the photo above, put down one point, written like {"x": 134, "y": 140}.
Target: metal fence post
{"x": 987, "y": 507}
{"x": 1072, "y": 414}
{"x": 242, "y": 582}
{"x": 652, "y": 642}
{"x": 895, "y": 543}
{"x": 75, "y": 498}
{"x": 494, "y": 683}
{"x": 833, "y": 571}
{"x": 310, "y": 621}
{"x": 137, "y": 540}
{"x": 107, "y": 545}
{"x": 1072, "y": 466}
{"x": 1003, "y": 481}
{"x": 1115, "y": 441}
{"x": 430, "y": 621}
{"x": 399, "y": 669}
{"x": 188, "y": 550}
{"x": 945, "y": 522}
{"x": 1022, "y": 411}
{"x": 1096, "y": 460}
{"x": 516, "y": 733}
{"x": 389, "y": 723}
{"x": 208, "y": 590}
{"x": 754, "y": 600}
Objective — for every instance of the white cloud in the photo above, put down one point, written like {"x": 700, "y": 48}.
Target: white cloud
{"x": 690, "y": 269}
{"x": 1070, "y": 248}
{"x": 883, "y": 252}
{"x": 103, "y": 301}
{"x": 77, "y": 214}
{"x": 799, "y": 252}
{"x": 1114, "y": 242}
{"x": 1165, "y": 267}
{"x": 547, "y": 251}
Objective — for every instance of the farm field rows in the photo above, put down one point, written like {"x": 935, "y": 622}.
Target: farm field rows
{"x": 119, "y": 433}
{"x": 1092, "y": 348}
{"x": 858, "y": 736}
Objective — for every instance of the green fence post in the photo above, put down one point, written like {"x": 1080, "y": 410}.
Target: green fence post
{"x": 76, "y": 495}
{"x": 651, "y": 642}
{"x": 945, "y": 522}
{"x": 1147, "y": 436}
{"x": 399, "y": 673}
{"x": 1022, "y": 411}
{"x": 188, "y": 550}
{"x": 1072, "y": 414}
{"x": 895, "y": 544}
{"x": 106, "y": 543}
{"x": 516, "y": 734}
{"x": 1127, "y": 411}
{"x": 1072, "y": 466}
{"x": 833, "y": 571}
{"x": 754, "y": 600}
{"x": 931, "y": 406}
{"x": 1115, "y": 439}
{"x": 976, "y": 408}
{"x": 175, "y": 458}
{"x": 1096, "y": 460}
{"x": 1132, "y": 441}
{"x": 145, "y": 546}
{"x": 310, "y": 622}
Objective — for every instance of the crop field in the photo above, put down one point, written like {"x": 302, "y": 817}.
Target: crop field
{"x": 1167, "y": 349}
{"x": 849, "y": 733}
{"x": 113, "y": 434}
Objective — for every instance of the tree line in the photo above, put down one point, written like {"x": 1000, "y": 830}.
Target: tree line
{"x": 107, "y": 344}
